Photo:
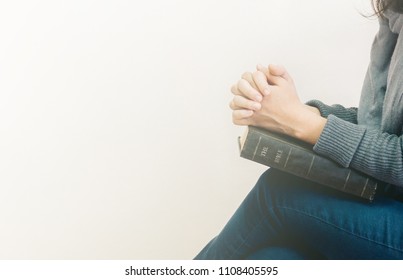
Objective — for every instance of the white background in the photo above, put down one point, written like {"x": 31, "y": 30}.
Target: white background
{"x": 116, "y": 140}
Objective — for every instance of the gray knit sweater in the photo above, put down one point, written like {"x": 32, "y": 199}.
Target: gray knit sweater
{"x": 369, "y": 138}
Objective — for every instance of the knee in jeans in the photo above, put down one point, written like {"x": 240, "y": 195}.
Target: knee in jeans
{"x": 270, "y": 180}
{"x": 267, "y": 178}
{"x": 264, "y": 183}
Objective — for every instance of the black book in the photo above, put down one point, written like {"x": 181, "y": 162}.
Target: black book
{"x": 297, "y": 157}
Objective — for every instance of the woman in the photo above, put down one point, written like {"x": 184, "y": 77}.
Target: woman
{"x": 285, "y": 217}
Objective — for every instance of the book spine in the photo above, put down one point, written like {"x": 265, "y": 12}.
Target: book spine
{"x": 302, "y": 162}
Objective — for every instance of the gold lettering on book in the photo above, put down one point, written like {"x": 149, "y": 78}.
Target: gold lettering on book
{"x": 264, "y": 151}
{"x": 257, "y": 146}
{"x": 278, "y": 156}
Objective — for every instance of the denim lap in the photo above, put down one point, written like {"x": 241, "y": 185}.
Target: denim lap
{"x": 311, "y": 220}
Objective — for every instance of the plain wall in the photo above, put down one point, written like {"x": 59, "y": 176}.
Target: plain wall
{"x": 116, "y": 140}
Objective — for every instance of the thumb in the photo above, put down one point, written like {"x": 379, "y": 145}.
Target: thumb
{"x": 279, "y": 70}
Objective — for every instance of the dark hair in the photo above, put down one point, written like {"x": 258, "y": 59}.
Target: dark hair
{"x": 380, "y": 6}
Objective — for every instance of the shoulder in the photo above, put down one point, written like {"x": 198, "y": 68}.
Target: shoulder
{"x": 395, "y": 21}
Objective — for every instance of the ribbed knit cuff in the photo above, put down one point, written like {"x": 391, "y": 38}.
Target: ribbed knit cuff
{"x": 323, "y": 108}
{"x": 347, "y": 114}
{"x": 339, "y": 140}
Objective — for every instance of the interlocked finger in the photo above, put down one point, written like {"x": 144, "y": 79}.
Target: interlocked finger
{"x": 239, "y": 116}
{"x": 261, "y": 82}
{"x": 248, "y": 91}
{"x": 240, "y": 102}
{"x": 248, "y": 76}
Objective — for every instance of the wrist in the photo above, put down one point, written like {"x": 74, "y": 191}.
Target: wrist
{"x": 309, "y": 126}
{"x": 313, "y": 109}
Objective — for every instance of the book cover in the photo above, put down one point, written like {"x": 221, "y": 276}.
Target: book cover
{"x": 298, "y": 158}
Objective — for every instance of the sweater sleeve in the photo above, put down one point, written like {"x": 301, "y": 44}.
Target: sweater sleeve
{"x": 377, "y": 154}
{"x": 347, "y": 114}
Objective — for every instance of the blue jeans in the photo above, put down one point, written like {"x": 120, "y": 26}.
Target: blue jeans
{"x": 285, "y": 217}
